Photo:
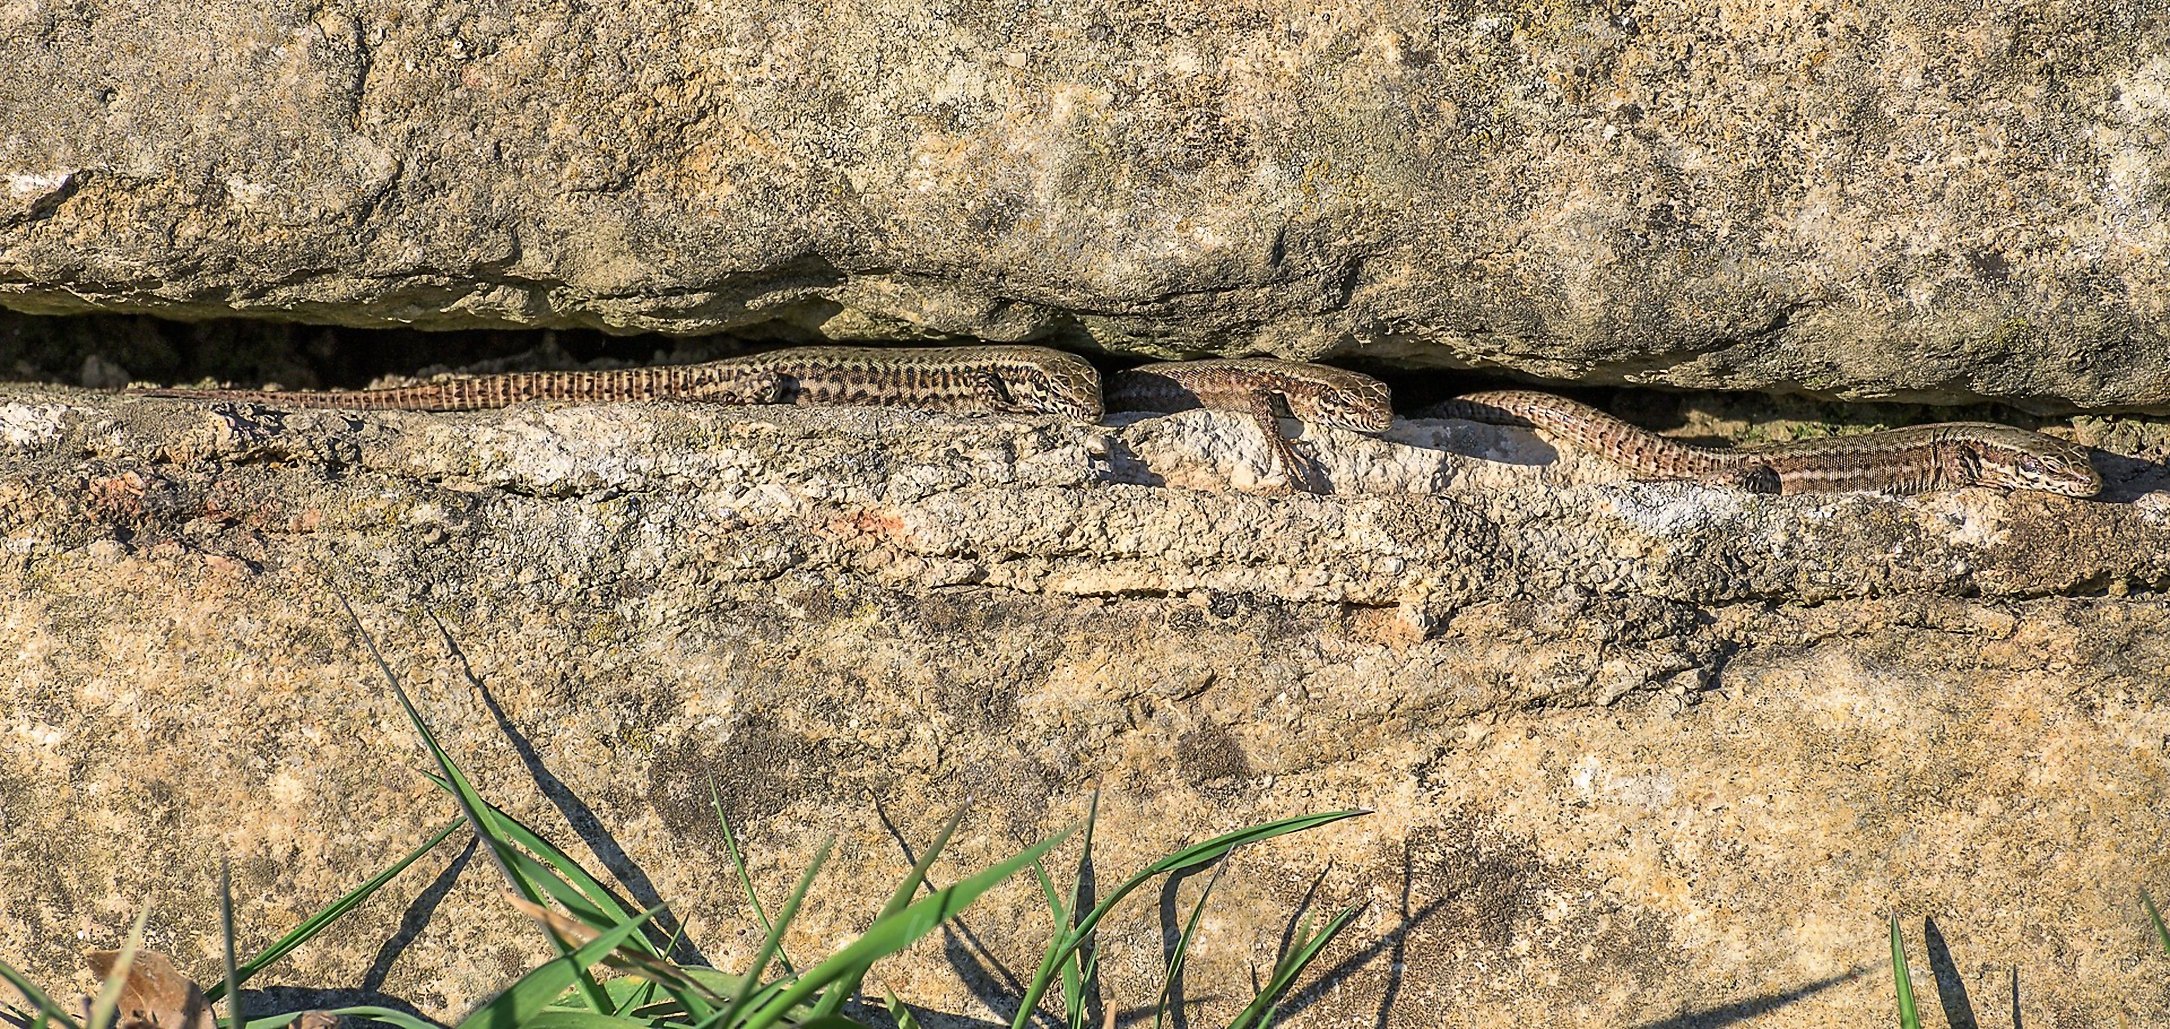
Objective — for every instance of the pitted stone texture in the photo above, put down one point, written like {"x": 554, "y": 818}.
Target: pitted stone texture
{"x": 1932, "y": 201}
{"x": 1574, "y": 520}
{"x": 1634, "y": 752}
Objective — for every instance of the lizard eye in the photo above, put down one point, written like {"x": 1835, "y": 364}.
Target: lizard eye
{"x": 2030, "y": 464}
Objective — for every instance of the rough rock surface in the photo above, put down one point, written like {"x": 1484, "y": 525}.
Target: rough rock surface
{"x": 1929, "y": 200}
{"x": 1649, "y": 755}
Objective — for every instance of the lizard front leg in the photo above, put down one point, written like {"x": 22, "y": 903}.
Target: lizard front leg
{"x": 991, "y": 392}
{"x": 762, "y": 388}
{"x": 742, "y": 389}
{"x": 995, "y": 392}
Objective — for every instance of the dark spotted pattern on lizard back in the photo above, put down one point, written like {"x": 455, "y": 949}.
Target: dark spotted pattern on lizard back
{"x": 717, "y": 382}
{"x": 962, "y": 379}
{"x": 1915, "y": 459}
{"x": 992, "y": 378}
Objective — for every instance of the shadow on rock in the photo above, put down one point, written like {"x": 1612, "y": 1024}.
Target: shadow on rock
{"x": 993, "y": 983}
{"x": 2126, "y": 479}
{"x": 412, "y": 921}
{"x": 582, "y": 818}
{"x": 1741, "y": 1011}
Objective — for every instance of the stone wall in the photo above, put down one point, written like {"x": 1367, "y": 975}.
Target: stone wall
{"x": 1645, "y": 754}
{"x": 1932, "y": 201}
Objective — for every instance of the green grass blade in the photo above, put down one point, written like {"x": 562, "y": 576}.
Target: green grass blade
{"x": 582, "y": 894}
{"x": 555, "y": 873}
{"x": 692, "y": 998}
{"x": 1073, "y": 990}
{"x": 315, "y": 923}
{"x": 1058, "y": 926}
{"x": 389, "y": 1016}
{"x": 833, "y": 1001}
{"x": 1283, "y": 960}
{"x": 745, "y": 879}
{"x": 1075, "y": 983}
{"x": 2155, "y": 917}
{"x": 1188, "y": 857}
{"x": 628, "y": 992}
{"x": 716, "y": 987}
{"x": 1090, "y": 968}
{"x": 721, "y": 984}
{"x": 1054, "y": 900}
{"x": 896, "y": 932}
{"x": 1212, "y": 850}
{"x": 1262, "y": 1009}
{"x": 564, "y": 1018}
{"x": 37, "y": 998}
{"x": 563, "y": 868}
{"x": 1303, "y": 932}
{"x": 524, "y": 999}
{"x": 645, "y": 994}
{"x": 471, "y": 804}
{"x": 774, "y": 942}
{"x": 766, "y": 992}
{"x": 545, "y": 878}
{"x": 1902, "y": 980}
{"x": 106, "y": 1007}
{"x": 472, "y": 807}
{"x": 1182, "y": 944}
{"x": 902, "y": 1015}
{"x": 236, "y": 1015}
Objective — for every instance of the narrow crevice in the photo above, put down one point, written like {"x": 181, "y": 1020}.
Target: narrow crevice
{"x": 106, "y": 351}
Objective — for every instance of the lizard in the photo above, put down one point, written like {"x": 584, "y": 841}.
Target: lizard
{"x": 1021, "y": 379}
{"x": 1254, "y": 386}
{"x": 1913, "y": 459}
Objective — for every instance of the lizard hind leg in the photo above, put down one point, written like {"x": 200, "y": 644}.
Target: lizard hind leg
{"x": 1755, "y": 478}
{"x": 760, "y": 388}
{"x": 1291, "y": 467}
{"x": 719, "y": 383}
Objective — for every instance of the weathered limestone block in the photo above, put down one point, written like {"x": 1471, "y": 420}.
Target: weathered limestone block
{"x": 1938, "y": 201}
{"x": 1635, "y": 752}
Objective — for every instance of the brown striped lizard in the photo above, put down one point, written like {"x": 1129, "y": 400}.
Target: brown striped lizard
{"x": 1022, "y": 379}
{"x": 1914, "y": 459}
{"x": 1309, "y": 392}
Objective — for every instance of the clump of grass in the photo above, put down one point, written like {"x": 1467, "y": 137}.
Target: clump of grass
{"x": 1071, "y": 960}
{"x": 586, "y": 927}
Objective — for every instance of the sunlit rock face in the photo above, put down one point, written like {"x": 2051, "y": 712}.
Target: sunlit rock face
{"x": 1639, "y": 752}
{"x": 1909, "y": 201}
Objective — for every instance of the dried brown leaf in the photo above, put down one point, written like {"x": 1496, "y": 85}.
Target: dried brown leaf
{"x": 569, "y": 929}
{"x": 156, "y": 995}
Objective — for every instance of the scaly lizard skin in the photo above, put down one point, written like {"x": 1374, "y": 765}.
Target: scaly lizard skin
{"x": 1312, "y": 393}
{"x": 1915, "y": 459}
{"x": 1022, "y": 379}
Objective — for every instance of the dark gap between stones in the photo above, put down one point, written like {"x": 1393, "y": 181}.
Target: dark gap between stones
{"x": 106, "y": 351}
{"x": 109, "y": 350}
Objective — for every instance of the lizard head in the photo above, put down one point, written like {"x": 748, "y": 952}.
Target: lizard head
{"x": 1345, "y": 400}
{"x": 2018, "y": 459}
{"x": 1056, "y": 383}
